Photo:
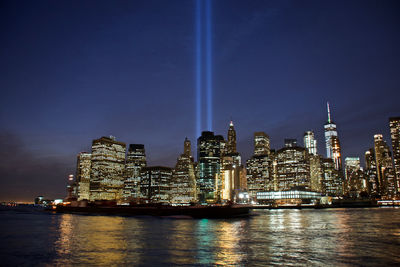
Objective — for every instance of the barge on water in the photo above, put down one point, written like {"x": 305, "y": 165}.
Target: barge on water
{"x": 207, "y": 211}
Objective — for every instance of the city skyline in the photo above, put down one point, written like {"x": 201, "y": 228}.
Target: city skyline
{"x": 113, "y": 70}
{"x": 226, "y": 156}
{"x": 298, "y": 142}
{"x": 218, "y": 175}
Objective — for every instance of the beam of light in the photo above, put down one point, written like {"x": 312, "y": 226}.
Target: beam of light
{"x": 209, "y": 64}
{"x": 198, "y": 67}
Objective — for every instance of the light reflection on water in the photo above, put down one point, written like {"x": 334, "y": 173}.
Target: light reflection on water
{"x": 276, "y": 237}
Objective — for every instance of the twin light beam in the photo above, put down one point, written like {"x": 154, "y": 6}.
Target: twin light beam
{"x": 203, "y": 69}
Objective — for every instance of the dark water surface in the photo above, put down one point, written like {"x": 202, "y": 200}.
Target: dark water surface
{"x": 332, "y": 237}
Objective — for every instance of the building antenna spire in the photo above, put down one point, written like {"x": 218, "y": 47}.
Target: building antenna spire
{"x": 329, "y": 112}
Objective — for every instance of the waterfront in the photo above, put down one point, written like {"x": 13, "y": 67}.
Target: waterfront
{"x": 271, "y": 237}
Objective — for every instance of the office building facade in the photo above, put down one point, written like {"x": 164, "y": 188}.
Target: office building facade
{"x": 107, "y": 172}
{"x": 84, "y": 165}
{"x": 135, "y": 161}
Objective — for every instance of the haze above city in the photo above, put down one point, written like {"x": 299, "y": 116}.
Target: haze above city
{"x": 71, "y": 72}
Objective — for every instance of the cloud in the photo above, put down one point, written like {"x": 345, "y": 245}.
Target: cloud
{"x": 25, "y": 174}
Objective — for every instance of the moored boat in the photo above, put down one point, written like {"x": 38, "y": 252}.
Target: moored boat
{"x": 199, "y": 211}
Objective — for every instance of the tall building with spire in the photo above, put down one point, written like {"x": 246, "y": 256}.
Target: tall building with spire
{"x": 187, "y": 148}
{"x": 231, "y": 144}
{"x": 183, "y": 184}
{"x": 394, "y": 124}
{"x": 333, "y": 150}
{"x": 230, "y": 149}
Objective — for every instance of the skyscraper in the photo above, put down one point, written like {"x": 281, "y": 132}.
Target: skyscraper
{"x": 333, "y": 183}
{"x": 260, "y": 168}
{"x": 155, "y": 184}
{"x": 187, "y": 148}
{"x": 293, "y": 168}
{"x": 384, "y": 166}
{"x": 354, "y": 177}
{"x": 371, "y": 172}
{"x": 337, "y": 153}
{"x": 135, "y": 161}
{"x": 394, "y": 124}
{"x": 209, "y": 166}
{"x": 333, "y": 150}
{"x": 183, "y": 183}
{"x": 316, "y": 173}
{"x": 231, "y": 144}
{"x": 108, "y": 165}
{"x": 260, "y": 176}
{"x": 84, "y": 164}
{"x": 310, "y": 143}
{"x": 261, "y": 144}
{"x": 231, "y": 150}
{"x": 351, "y": 164}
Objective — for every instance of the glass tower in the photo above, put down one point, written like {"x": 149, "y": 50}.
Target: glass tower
{"x": 310, "y": 143}
{"x": 209, "y": 165}
{"x": 332, "y": 143}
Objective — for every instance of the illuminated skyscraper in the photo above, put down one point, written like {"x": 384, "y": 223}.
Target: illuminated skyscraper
{"x": 183, "y": 184}
{"x": 371, "y": 172}
{"x": 155, "y": 184}
{"x": 135, "y": 161}
{"x": 187, "y": 148}
{"x": 351, "y": 165}
{"x": 395, "y": 135}
{"x": 209, "y": 166}
{"x": 355, "y": 181}
{"x": 231, "y": 144}
{"x": 260, "y": 168}
{"x": 316, "y": 173}
{"x": 310, "y": 143}
{"x": 261, "y": 144}
{"x": 333, "y": 183}
{"x": 384, "y": 166}
{"x": 108, "y": 165}
{"x": 260, "y": 174}
{"x": 231, "y": 150}
{"x": 232, "y": 179}
{"x": 333, "y": 150}
{"x": 84, "y": 164}
{"x": 337, "y": 153}
{"x": 293, "y": 168}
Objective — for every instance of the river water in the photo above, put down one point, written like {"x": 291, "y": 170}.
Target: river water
{"x": 330, "y": 237}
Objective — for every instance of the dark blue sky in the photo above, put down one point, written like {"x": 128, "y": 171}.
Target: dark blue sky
{"x": 73, "y": 71}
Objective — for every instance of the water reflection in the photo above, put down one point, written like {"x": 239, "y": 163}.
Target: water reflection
{"x": 181, "y": 243}
{"x": 205, "y": 238}
{"x": 91, "y": 240}
{"x": 229, "y": 250}
{"x": 63, "y": 244}
{"x": 276, "y": 237}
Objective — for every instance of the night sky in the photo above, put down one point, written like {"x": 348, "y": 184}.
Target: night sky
{"x": 73, "y": 71}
